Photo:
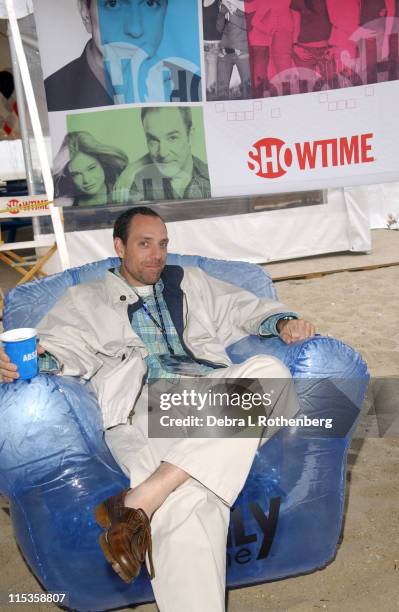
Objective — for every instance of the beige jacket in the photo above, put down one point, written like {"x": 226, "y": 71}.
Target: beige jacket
{"x": 89, "y": 332}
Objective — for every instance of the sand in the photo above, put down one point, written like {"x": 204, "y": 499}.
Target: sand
{"x": 360, "y": 308}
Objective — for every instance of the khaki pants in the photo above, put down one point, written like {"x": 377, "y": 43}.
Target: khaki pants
{"x": 189, "y": 531}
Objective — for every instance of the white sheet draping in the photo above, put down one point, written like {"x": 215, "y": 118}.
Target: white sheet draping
{"x": 340, "y": 225}
{"x": 379, "y": 200}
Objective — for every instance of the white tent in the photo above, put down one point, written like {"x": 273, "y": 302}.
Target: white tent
{"x": 14, "y": 10}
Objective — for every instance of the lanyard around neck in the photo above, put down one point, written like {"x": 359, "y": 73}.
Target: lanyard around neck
{"x": 159, "y": 324}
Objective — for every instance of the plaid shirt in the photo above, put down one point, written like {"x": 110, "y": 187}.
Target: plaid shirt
{"x": 48, "y": 364}
{"x": 152, "y": 336}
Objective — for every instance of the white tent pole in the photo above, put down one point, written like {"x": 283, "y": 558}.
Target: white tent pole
{"x": 38, "y": 133}
{"x": 19, "y": 94}
{"x": 23, "y": 124}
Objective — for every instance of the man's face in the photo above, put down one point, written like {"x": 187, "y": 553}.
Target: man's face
{"x": 144, "y": 254}
{"x": 169, "y": 142}
{"x": 136, "y": 22}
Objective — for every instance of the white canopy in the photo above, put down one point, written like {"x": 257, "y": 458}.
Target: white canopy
{"x": 22, "y": 8}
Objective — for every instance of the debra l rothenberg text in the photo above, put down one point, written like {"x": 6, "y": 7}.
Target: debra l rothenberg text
{"x": 247, "y": 421}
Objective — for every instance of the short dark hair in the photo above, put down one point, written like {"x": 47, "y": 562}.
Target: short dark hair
{"x": 122, "y": 224}
{"x": 185, "y": 112}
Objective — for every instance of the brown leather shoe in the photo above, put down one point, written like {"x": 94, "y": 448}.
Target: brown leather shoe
{"x": 127, "y": 536}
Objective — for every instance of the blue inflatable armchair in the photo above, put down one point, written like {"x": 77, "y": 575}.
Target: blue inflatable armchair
{"x": 55, "y": 467}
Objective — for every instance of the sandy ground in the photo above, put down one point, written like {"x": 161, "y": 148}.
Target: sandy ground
{"x": 360, "y": 308}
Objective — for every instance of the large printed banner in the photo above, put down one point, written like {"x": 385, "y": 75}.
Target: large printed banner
{"x": 154, "y": 100}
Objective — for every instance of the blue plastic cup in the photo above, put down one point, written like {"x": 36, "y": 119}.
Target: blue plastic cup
{"x": 20, "y": 346}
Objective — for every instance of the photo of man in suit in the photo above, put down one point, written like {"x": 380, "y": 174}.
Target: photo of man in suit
{"x": 120, "y": 63}
{"x": 169, "y": 171}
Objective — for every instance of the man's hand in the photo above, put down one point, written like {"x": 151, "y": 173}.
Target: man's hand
{"x": 8, "y": 370}
{"x": 294, "y": 330}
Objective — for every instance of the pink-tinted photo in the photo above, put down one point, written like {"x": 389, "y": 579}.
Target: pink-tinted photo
{"x": 264, "y": 48}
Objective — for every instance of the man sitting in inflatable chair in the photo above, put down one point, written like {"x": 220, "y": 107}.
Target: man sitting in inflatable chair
{"x": 147, "y": 320}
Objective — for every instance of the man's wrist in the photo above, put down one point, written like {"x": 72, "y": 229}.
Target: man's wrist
{"x": 48, "y": 364}
{"x": 268, "y": 327}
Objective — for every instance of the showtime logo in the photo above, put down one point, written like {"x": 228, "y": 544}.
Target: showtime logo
{"x": 271, "y": 158}
{"x": 16, "y": 206}
{"x": 13, "y": 206}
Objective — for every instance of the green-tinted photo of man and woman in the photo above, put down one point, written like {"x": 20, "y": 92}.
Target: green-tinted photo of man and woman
{"x": 130, "y": 156}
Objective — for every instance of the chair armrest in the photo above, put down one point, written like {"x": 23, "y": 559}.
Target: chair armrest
{"x": 45, "y": 422}
{"x": 316, "y": 357}
{"x": 323, "y": 368}
{"x": 55, "y": 468}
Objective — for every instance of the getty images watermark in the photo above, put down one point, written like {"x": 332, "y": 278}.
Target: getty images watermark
{"x": 207, "y": 407}
{"x": 192, "y": 399}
